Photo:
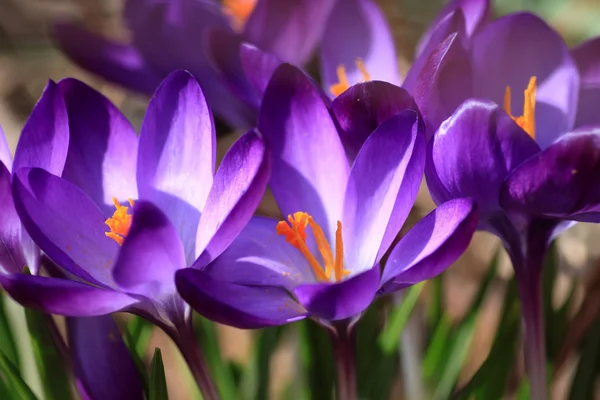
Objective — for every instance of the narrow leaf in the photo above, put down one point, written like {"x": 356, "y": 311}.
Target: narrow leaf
{"x": 389, "y": 338}
{"x": 12, "y": 379}
{"x": 158, "y": 381}
{"x": 8, "y": 344}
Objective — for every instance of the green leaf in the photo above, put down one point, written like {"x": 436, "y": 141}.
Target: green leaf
{"x": 8, "y": 345}
{"x": 158, "y": 381}
{"x": 220, "y": 370}
{"x": 389, "y": 339}
{"x": 10, "y": 377}
{"x": 136, "y": 335}
{"x": 438, "y": 345}
{"x": 255, "y": 377}
{"x": 318, "y": 361}
{"x": 583, "y": 384}
{"x": 491, "y": 380}
{"x": 45, "y": 342}
{"x": 460, "y": 340}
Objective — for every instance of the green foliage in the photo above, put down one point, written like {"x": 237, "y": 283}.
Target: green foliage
{"x": 158, "y": 381}
{"x": 12, "y": 385}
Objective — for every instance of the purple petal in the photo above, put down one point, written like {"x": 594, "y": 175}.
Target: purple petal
{"x": 102, "y": 146}
{"x": 476, "y": 14}
{"x": 12, "y": 259}
{"x": 561, "y": 181}
{"x": 118, "y": 63}
{"x": 224, "y": 50}
{"x": 444, "y": 82}
{"x": 309, "y": 166}
{"x": 288, "y": 29}
{"x": 246, "y": 307}
{"x": 44, "y": 140}
{"x": 5, "y": 153}
{"x": 335, "y": 301}
{"x": 473, "y": 152}
{"x": 512, "y": 49}
{"x": 357, "y": 29}
{"x": 382, "y": 188}
{"x": 260, "y": 257}
{"x": 102, "y": 362}
{"x": 587, "y": 57}
{"x": 64, "y": 297}
{"x": 258, "y": 66}
{"x": 177, "y": 154}
{"x": 237, "y": 190}
{"x": 150, "y": 254}
{"x": 431, "y": 245}
{"x": 66, "y": 224}
{"x": 363, "y": 107}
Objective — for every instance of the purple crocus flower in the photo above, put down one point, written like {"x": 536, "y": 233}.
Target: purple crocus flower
{"x": 204, "y": 37}
{"x": 91, "y": 340}
{"x": 465, "y": 55}
{"x": 323, "y": 260}
{"x": 530, "y": 174}
{"x": 183, "y": 213}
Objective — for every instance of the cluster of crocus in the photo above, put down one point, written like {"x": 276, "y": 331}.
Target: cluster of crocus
{"x": 205, "y": 38}
{"x": 143, "y": 224}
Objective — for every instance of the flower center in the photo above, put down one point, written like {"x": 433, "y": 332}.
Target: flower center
{"x": 294, "y": 231}
{"x": 239, "y": 11}
{"x": 119, "y": 223}
{"x": 527, "y": 120}
{"x": 343, "y": 84}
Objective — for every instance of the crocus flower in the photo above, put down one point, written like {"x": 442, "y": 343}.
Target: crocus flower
{"x": 91, "y": 340}
{"x": 323, "y": 260}
{"x": 183, "y": 213}
{"x": 204, "y": 37}
{"x": 464, "y": 55}
{"x": 531, "y": 172}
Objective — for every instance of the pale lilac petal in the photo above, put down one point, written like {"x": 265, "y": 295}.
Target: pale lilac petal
{"x": 177, "y": 154}
{"x": 119, "y": 63}
{"x": 512, "y": 49}
{"x": 64, "y": 297}
{"x": 238, "y": 188}
{"x": 473, "y": 152}
{"x": 309, "y": 165}
{"x": 358, "y": 29}
{"x": 44, "y": 140}
{"x": 5, "y": 154}
{"x": 476, "y": 14}
{"x": 245, "y": 307}
{"x": 363, "y": 107}
{"x": 444, "y": 82}
{"x": 102, "y": 154}
{"x": 260, "y": 257}
{"x": 587, "y": 57}
{"x": 258, "y": 66}
{"x": 12, "y": 259}
{"x": 431, "y": 245}
{"x": 102, "y": 362}
{"x": 66, "y": 224}
{"x": 382, "y": 188}
{"x": 289, "y": 29}
{"x": 150, "y": 254}
{"x": 335, "y": 301}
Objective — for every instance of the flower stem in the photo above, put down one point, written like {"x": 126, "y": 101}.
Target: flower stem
{"x": 345, "y": 361}
{"x": 185, "y": 340}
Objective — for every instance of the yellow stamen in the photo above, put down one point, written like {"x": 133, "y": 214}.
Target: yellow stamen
{"x": 239, "y": 11}
{"x": 527, "y": 120}
{"x": 119, "y": 223}
{"x": 343, "y": 83}
{"x": 294, "y": 231}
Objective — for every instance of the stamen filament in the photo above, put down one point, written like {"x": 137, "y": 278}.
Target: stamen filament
{"x": 323, "y": 246}
{"x": 321, "y": 276}
{"x": 527, "y": 120}
{"x": 340, "y": 272}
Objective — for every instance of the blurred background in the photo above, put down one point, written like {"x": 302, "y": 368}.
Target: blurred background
{"x": 28, "y": 58}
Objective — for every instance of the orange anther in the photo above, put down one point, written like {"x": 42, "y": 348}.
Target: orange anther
{"x": 119, "y": 223}
{"x": 239, "y": 11}
{"x": 343, "y": 83}
{"x": 527, "y": 120}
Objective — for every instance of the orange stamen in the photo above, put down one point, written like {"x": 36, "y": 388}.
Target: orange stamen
{"x": 343, "y": 83}
{"x": 239, "y": 11}
{"x": 295, "y": 234}
{"x": 119, "y": 223}
{"x": 527, "y": 120}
